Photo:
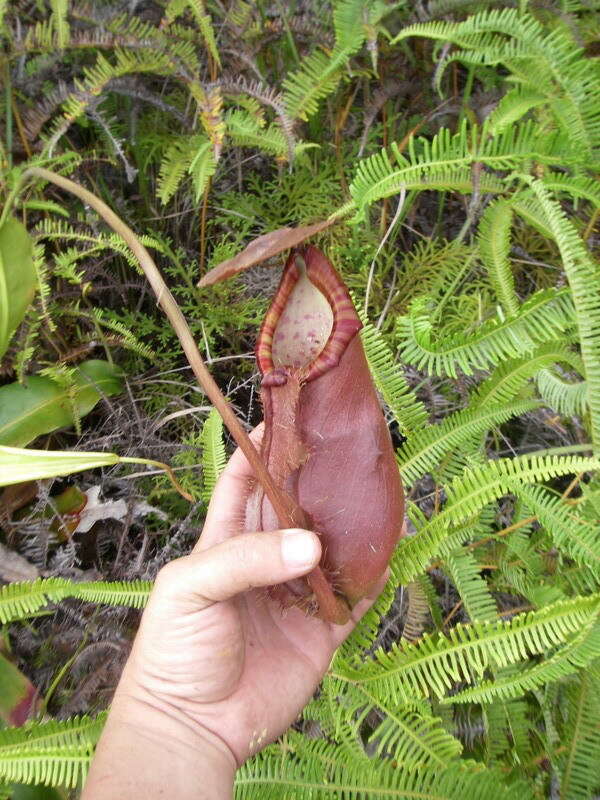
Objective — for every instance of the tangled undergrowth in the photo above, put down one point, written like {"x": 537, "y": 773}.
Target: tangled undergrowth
{"x": 457, "y": 145}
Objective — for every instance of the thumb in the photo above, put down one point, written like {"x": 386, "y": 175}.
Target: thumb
{"x": 238, "y": 564}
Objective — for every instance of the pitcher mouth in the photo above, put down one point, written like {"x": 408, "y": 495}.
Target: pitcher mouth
{"x": 309, "y": 323}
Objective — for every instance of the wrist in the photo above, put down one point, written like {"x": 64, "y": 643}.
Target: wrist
{"x": 153, "y": 750}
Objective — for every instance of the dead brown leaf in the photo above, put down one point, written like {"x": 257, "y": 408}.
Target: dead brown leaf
{"x": 267, "y": 246}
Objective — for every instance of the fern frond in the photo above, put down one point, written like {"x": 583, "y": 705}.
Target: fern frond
{"x": 59, "y": 22}
{"x": 54, "y": 753}
{"x": 581, "y": 736}
{"x": 435, "y": 664}
{"x": 319, "y": 74}
{"x": 582, "y": 274}
{"x": 467, "y": 495}
{"x": 571, "y": 533}
{"x": 214, "y": 457}
{"x": 512, "y": 107}
{"x": 414, "y": 738}
{"x": 408, "y": 411}
{"x": 132, "y": 594}
{"x": 445, "y": 162}
{"x": 424, "y": 451}
{"x": 464, "y": 571}
{"x": 541, "y": 318}
{"x": 206, "y": 29}
{"x": 21, "y": 600}
{"x": 578, "y": 652}
{"x": 512, "y": 375}
{"x": 494, "y": 248}
{"x": 318, "y": 770}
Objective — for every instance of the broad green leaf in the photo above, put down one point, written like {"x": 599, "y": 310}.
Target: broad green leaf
{"x": 18, "y": 278}
{"x": 17, "y": 465}
{"x": 41, "y": 405}
{"x": 17, "y": 693}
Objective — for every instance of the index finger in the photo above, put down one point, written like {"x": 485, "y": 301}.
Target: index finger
{"x": 227, "y": 508}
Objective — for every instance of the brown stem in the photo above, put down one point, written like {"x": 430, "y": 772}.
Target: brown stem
{"x": 288, "y": 513}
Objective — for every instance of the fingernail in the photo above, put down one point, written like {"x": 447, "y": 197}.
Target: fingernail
{"x": 299, "y": 548}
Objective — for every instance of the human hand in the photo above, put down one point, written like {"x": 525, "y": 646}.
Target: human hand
{"x": 214, "y": 655}
{"x": 214, "y": 645}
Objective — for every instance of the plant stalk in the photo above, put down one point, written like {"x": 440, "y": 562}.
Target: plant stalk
{"x": 288, "y": 513}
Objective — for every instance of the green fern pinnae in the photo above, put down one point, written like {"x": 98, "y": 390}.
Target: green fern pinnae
{"x": 202, "y": 167}
{"x": 445, "y": 162}
{"x": 422, "y": 601}
{"x": 563, "y": 396}
{"x": 244, "y": 130}
{"x": 436, "y": 664}
{"x": 52, "y": 733}
{"x": 582, "y": 274}
{"x": 59, "y": 21}
{"x": 465, "y": 574}
{"x": 547, "y": 62}
{"x": 476, "y": 488}
{"x": 319, "y": 74}
{"x": 425, "y": 450}
{"x": 572, "y": 534}
{"x": 414, "y": 738}
{"x": 544, "y": 316}
{"x": 316, "y": 78}
{"x": 128, "y": 340}
{"x": 23, "y": 599}
{"x": 578, "y": 653}
{"x": 494, "y": 248}
{"x": 576, "y": 186}
{"x": 44, "y": 289}
{"x": 511, "y": 376}
{"x": 174, "y": 165}
{"x": 320, "y": 770}
{"x": 512, "y": 107}
{"x": 206, "y": 29}
{"x": 581, "y": 736}
{"x": 132, "y": 594}
{"x": 53, "y": 753}
{"x": 467, "y": 495}
{"x": 214, "y": 457}
{"x": 408, "y": 411}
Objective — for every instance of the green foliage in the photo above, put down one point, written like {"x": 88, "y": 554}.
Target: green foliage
{"x": 213, "y": 452}
{"x": 43, "y": 404}
{"x": 51, "y": 753}
{"x": 17, "y": 278}
{"x": 468, "y": 230}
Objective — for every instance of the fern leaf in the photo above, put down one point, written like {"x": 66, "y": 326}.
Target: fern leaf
{"x": 511, "y": 376}
{"x": 467, "y": 495}
{"x": 21, "y": 600}
{"x": 214, "y": 457}
{"x": 494, "y": 247}
{"x": 435, "y": 664}
{"x": 473, "y": 590}
{"x": 132, "y": 594}
{"x": 581, "y": 735}
{"x": 582, "y": 274}
{"x": 571, "y": 533}
{"x": 318, "y": 770}
{"x": 409, "y": 412}
{"x": 60, "y": 10}
{"x": 541, "y": 318}
{"x": 426, "y": 449}
{"x": 578, "y": 652}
